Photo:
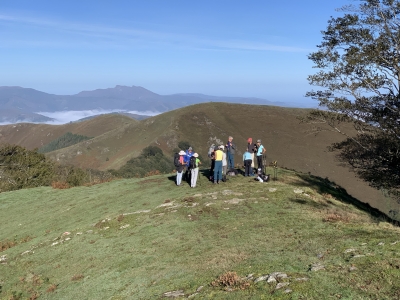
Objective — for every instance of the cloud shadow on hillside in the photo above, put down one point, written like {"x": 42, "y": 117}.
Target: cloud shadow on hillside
{"x": 325, "y": 186}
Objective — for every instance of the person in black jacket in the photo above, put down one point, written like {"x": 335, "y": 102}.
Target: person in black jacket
{"x": 230, "y": 151}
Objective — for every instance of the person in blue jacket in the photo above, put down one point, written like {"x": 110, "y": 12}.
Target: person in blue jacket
{"x": 188, "y": 155}
{"x": 247, "y": 160}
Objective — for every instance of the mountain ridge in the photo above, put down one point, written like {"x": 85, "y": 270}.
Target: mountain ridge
{"x": 124, "y": 98}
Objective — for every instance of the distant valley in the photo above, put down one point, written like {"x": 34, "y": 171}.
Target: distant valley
{"x": 20, "y": 104}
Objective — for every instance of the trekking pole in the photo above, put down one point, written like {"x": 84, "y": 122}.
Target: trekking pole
{"x": 275, "y": 166}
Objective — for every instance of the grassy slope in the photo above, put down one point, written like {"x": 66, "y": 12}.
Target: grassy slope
{"x": 196, "y": 236}
{"x": 293, "y": 145}
{"x": 36, "y": 135}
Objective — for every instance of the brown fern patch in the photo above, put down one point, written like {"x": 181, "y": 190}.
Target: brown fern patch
{"x": 61, "y": 185}
{"x": 51, "y": 288}
{"x": 77, "y": 277}
{"x": 231, "y": 281}
{"x": 335, "y": 217}
{"x": 7, "y": 244}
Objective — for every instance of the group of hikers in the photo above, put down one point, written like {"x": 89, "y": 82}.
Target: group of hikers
{"x": 222, "y": 162}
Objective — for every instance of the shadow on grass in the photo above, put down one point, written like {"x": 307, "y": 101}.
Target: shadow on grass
{"x": 325, "y": 186}
{"x": 204, "y": 175}
{"x": 308, "y": 202}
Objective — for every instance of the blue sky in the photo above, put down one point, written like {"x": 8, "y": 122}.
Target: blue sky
{"x": 220, "y": 47}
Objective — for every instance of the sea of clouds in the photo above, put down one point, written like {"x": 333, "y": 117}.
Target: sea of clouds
{"x": 63, "y": 117}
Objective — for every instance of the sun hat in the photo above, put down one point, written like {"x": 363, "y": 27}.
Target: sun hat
{"x": 258, "y": 141}
{"x": 196, "y": 155}
{"x": 182, "y": 152}
{"x": 190, "y": 148}
{"x": 221, "y": 147}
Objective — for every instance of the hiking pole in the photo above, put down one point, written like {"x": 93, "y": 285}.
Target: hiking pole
{"x": 264, "y": 164}
{"x": 275, "y": 166}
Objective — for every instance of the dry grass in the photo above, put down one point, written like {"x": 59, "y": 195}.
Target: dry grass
{"x": 152, "y": 173}
{"x": 335, "y": 217}
{"x": 77, "y": 277}
{"x": 7, "y": 244}
{"x": 60, "y": 185}
{"x": 51, "y": 288}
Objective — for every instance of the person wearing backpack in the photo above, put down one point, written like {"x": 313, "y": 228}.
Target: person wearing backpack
{"x": 194, "y": 169}
{"x": 218, "y": 165}
{"x": 188, "y": 154}
{"x": 179, "y": 163}
{"x": 260, "y": 151}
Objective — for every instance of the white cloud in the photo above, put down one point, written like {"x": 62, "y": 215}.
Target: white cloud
{"x": 100, "y": 36}
{"x": 63, "y": 117}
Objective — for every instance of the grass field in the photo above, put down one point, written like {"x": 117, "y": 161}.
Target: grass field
{"x": 142, "y": 238}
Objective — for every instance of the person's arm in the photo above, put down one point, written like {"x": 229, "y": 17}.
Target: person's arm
{"x": 263, "y": 151}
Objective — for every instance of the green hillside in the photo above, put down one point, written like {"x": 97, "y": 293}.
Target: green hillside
{"x": 63, "y": 141}
{"x": 293, "y": 144}
{"x": 143, "y": 238}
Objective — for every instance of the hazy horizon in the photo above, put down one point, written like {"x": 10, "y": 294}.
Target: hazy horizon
{"x": 222, "y": 48}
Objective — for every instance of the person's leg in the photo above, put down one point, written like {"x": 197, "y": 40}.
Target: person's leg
{"x": 252, "y": 160}
{"x": 216, "y": 164}
{"x": 219, "y": 178}
{"x": 195, "y": 174}
{"x": 247, "y": 165}
{"x": 259, "y": 162}
{"x": 178, "y": 178}
{"x": 231, "y": 161}
{"x": 217, "y": 171}
{"x": 212, "y": 169}
{"x": 192, "y": 181}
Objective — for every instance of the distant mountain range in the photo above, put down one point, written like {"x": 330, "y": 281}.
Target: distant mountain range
{"x": 18, "y": 104}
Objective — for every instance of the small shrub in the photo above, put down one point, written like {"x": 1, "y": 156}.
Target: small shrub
{"x": 230, "y": 281}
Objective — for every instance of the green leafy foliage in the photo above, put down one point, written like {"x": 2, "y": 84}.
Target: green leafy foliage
{"x": 63, "y": 141}
{"x": 359, "y": 68}
{"x": 183, "y": 145}
{"x": 22, "y": 168}
{"x": 150, "y": 161}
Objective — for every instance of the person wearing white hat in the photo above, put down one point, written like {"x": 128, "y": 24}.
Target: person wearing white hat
{"x": 224, "y": 163}
{"x": 179, "y": 168}
{"x": 260, "y": 152}
{"x": 194, "y": 170}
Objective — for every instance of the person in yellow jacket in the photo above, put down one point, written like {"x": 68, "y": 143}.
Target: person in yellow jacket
{"x": 218, "y": 165}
